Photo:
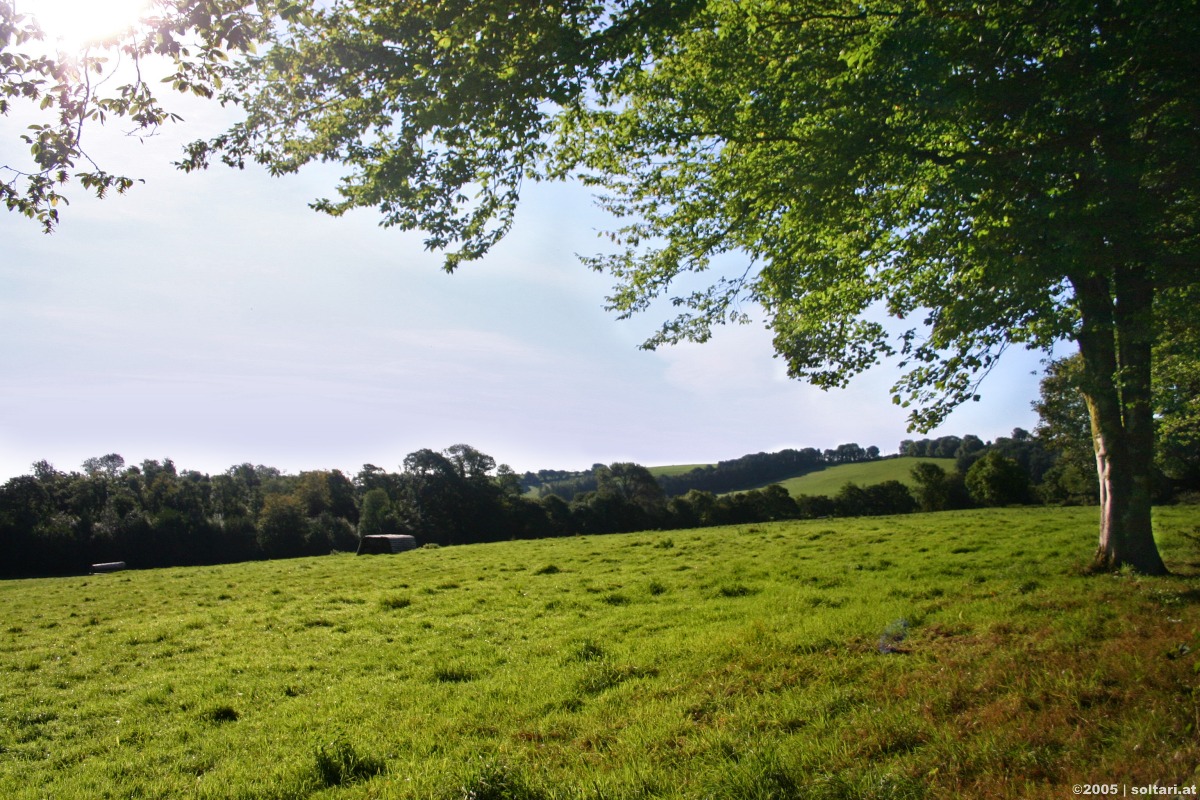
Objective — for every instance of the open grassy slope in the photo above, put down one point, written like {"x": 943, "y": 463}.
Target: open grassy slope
{"x": 675, "y": 469}
{"x": 925, "y": 656}
{"x": 831, "y": 479}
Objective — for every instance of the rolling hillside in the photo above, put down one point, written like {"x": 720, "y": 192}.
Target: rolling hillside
{"x": 675, "y": 469}
{"x": 831, "y": 479}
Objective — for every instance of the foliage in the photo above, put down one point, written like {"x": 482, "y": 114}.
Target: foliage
{"x": 938, "y": 491}
{"x": 1063, "y": 423}
{"x": 748, "y": 471}
{"x": 1176, "y": 379}
{"x": 858, "y": 157}
{"x": 373, "y": 519}
{"x": 154, "y": 514}
{"x": 997, "y": 480}
{"x": 63, "y": 93}
{"x": 988, "y": 175}
{"x": 760, "y": 660}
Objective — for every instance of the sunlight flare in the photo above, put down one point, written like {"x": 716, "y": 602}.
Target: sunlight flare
{"x": 74, "y": 24}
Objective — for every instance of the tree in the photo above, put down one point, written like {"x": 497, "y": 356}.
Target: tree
{"x": 1176, "y": 382}
{"x": 63, "y": 92}
{"x": 109, "y": 465}
{"x": 933, "y": 491}
{"x": 1063, "y": 424}
{"x": 282, "y": 526}
{"x": 634, "y": 484}
{"x": 997, "y": 480}
{"x": 373, "y": 520}
{"x": 987, "y": 174}
{"x": 451, "y": 497}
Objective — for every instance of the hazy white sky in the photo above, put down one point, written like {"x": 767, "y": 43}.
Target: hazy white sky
{"x": 214, "y": 319}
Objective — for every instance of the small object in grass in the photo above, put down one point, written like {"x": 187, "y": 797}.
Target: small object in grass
{"x": 1178, "y": 651}
{"x": 895, "y": 633}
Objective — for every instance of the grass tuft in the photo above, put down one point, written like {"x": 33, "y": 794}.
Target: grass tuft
{"x": 452, "y": 674}
{"x": 493, "y": 780}
{"x": 222, "y": 713}
{"x": 338, "y": 763}
{"x": 395, "y": 602}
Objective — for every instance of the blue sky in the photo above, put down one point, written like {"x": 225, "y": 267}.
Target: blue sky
{"x": 214, "y": 319}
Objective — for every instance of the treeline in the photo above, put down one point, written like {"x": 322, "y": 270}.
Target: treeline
{"x": 757, "y": 469}
{"x": 154, "y": 515}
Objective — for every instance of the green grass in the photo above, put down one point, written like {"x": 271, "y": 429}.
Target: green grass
{"x": 676, "y": 469}
{"x": 831, "y": 479}
{"x": 926, "y": 656}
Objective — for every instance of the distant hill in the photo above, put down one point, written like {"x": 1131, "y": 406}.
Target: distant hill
{"x": 750, "y": 471}
{"x": 676, "y": 469}
{"x": 831, "y": 479}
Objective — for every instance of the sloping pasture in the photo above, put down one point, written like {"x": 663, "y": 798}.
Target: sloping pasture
{"x": 948, "y": 655}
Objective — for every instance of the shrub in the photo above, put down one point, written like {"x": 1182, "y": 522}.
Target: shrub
{"x": 997, "y": 480}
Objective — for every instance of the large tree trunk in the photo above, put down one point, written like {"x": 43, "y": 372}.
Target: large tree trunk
{"x": 1115, "y": 341}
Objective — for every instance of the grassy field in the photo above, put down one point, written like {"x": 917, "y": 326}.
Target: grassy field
{"x": 675, "y": 469}
{"x": 927, "y": 656}
{"x": 831, "y": 479}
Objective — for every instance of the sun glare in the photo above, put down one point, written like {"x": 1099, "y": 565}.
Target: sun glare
{"x": 76, "y": 23}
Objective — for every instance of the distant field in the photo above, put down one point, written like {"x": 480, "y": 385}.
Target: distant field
{"x": 675, "y": 469}
{"x": 925, "y": 656}
{"x": 831, "y": 479}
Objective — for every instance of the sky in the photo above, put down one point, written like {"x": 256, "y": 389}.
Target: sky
{"x": 214, "y": 319}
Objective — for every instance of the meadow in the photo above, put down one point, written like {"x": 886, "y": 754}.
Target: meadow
{"x": 961, "y": 654}
{"x": 830, "y": 480}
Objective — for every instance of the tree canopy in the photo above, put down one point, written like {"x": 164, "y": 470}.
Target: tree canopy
{"x": 987, "y": 175}
{"x": 65, "y": 92}
{"x": 983, "y": 174}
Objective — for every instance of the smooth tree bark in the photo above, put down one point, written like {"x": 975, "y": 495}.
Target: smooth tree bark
{"x": 1115, "y": 340}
